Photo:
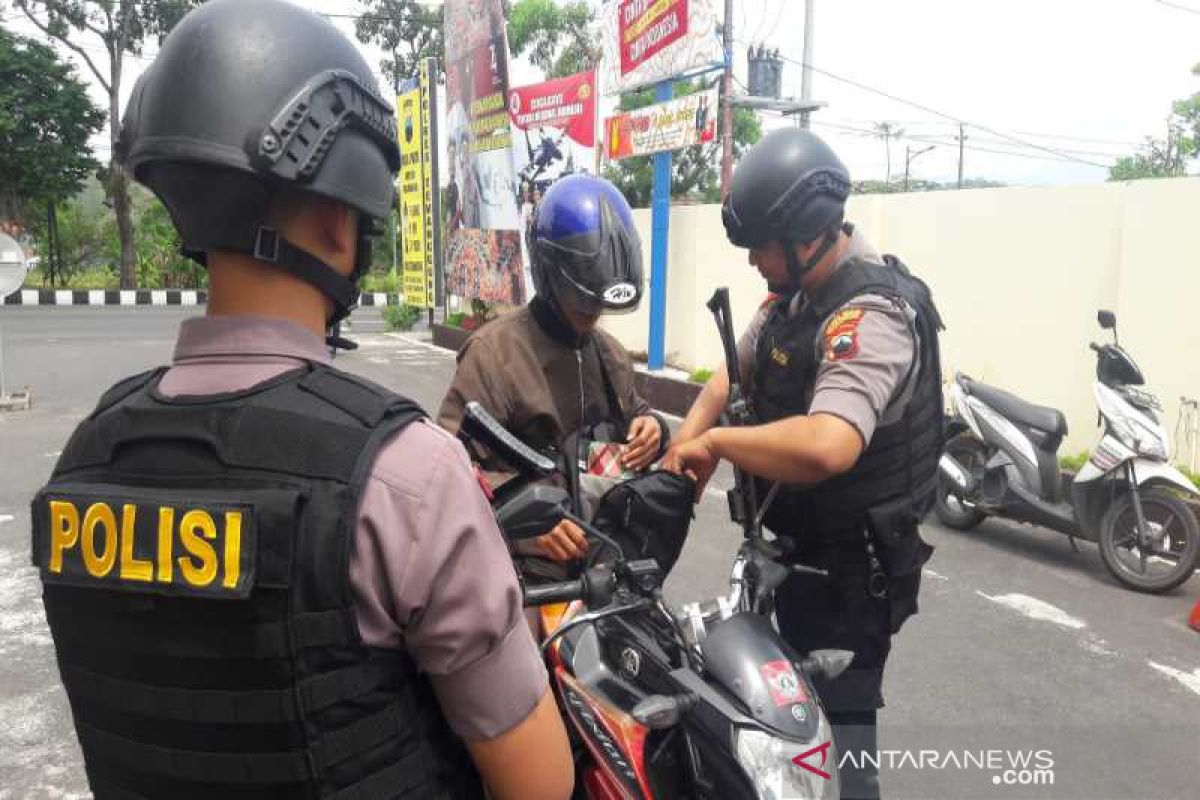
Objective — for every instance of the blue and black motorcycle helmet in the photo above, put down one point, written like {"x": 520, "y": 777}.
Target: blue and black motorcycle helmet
{"x": 584, "y": 250}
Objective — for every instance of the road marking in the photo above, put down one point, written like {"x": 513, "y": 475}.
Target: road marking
{"x": 1096, "y": 645}
{"x": 1189, "y": 679}
{"x": 55, "y": 454}
{"x": 1036, "y": 609}
{"x": 6, "y": 518}
{"x": 935, "y": 575}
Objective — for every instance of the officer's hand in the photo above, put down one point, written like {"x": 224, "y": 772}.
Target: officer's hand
{"x": 566, "y": 542}
{"x": 693, "y": 458}
{"x": 645, "y": 436}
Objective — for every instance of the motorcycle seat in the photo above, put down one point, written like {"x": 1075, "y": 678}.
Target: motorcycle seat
{"x": 1041, "y": 418}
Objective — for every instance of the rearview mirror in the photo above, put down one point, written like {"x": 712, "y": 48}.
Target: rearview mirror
{"x": 1107, "y": 319}
{"x": 533, "y": 511}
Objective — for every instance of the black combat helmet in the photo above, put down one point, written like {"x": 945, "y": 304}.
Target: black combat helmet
{"x": 791, "y": 188}
{"x": 247, "y": 97}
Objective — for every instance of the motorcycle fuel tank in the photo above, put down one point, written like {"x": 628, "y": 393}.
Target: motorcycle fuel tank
{"x": 745, "y": 655}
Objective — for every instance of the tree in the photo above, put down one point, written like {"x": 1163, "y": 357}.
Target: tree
{"x": 122, "y": 26}
{"x": 46, "y": 119}
{"x": 407, "y": 29}
{"x": 695, "y": 171}
{"x": 1169, "y": 157}
{"x": 558, "y": 38}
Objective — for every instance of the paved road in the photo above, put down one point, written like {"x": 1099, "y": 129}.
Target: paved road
{"x": 1022, "y": 645}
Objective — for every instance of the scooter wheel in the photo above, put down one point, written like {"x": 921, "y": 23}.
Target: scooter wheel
{"x": 1177, "y": 528}
{"x": 949, "y": 508}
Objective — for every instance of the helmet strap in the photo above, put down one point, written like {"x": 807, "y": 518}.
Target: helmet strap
{"x": 271, "y": 248}
{"x": 797, "y": 267}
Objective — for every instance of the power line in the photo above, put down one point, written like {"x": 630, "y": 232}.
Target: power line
{"x": 957, "y": 120}
{"x": 1178, "y": 7}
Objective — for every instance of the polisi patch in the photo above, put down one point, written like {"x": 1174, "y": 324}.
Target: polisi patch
{"x": 169, "y": 545}
{"x": 620, "y": 293}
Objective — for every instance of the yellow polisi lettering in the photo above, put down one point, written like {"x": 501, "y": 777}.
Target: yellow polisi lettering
{"x": 64, "y": 531}
{"x": 132, "y": 568}
{"x": 166, "y": 530}
{"x": 101, "y": 520}
{"x": 233, "y": 548}
{"x": 195, "y": 527}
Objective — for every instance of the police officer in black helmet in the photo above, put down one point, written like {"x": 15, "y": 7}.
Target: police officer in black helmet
{"x": 842, "y": 369}
{"x": 266, "y": 577}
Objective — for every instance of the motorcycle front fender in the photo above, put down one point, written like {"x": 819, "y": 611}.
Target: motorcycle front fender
{"x": 1147, "y": 471}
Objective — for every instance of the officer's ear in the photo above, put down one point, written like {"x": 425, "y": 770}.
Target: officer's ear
{"x": 324, "y": 227}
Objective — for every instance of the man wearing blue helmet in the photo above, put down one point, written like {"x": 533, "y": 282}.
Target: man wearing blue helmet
{"x": 546, "y": 371}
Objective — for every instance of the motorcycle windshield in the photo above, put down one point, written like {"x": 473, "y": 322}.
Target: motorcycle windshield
{"x": 748, "y": 659}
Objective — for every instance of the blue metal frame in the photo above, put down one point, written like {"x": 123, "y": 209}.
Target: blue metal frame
{"x": 660, "y": 215}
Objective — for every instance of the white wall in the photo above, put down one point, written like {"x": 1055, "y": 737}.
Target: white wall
{"x": 1017, "y": 273}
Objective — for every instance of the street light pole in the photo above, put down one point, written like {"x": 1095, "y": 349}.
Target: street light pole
{"x": 909, "y": 157}
{"x": 727, "y": 102}
{"x": 806, "y": 57}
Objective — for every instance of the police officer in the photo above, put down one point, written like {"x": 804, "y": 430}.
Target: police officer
{"x": 266, "y": 577}
{"x": 843, "y": 374}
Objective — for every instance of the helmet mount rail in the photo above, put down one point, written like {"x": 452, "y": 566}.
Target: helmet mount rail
{"x": 327, "y": 103}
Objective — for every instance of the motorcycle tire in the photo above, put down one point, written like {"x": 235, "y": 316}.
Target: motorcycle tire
{"x": 968, "y": 452}
{"x": 1116, "y": 525}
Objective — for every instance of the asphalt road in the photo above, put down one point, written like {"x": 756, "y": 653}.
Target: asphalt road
{"x": 1023, "y": 650}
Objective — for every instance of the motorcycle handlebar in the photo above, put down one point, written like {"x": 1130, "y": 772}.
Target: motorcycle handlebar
{"x": 561, "y": 592}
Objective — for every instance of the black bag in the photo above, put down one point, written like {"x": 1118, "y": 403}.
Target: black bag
{"x": 649, "y": 516}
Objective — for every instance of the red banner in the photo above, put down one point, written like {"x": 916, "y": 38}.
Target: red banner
{"x": 648, "y": 26}
{"x": 566, "y": 103}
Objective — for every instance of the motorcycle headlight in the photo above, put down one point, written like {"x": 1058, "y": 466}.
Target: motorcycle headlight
{"x": 768, "y": 761}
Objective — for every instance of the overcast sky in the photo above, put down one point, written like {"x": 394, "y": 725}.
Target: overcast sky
{"x": 1085, "y": 78}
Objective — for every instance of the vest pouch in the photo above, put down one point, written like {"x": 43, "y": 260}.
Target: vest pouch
{"x": 894, "y": 530}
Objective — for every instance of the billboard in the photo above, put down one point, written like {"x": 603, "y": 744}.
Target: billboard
{"x": 416, "y": 190}
{"x": 554, "y": 129}
{"x": 682, "y": 122}
{"x": 648, "y": 41}
{"x": 483, "y": 249}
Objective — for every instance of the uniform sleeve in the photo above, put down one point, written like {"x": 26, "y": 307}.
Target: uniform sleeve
{"x": 432, "y": 573}
{"x": 477, "y": 377}
{"x": 747, "y": 343}
{"x": 867, "y": 348}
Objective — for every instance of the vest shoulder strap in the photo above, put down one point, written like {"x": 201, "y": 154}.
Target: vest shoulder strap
{"x": 124, "y": 388}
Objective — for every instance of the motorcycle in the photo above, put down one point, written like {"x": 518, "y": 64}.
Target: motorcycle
{"x": 1001, "y": 460}
{"x": 702, "y": 701}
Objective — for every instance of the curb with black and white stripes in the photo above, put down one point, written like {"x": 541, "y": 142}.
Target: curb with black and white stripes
{"x": 146, "y": 297}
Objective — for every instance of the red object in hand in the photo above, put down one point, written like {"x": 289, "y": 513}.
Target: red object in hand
{"x": 1194, "y": 619}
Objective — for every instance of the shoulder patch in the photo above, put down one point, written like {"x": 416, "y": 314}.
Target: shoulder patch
{"x": 841, "y": 334}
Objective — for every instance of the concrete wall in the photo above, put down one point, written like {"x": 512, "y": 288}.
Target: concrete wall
{"x": 1018, "y": 275}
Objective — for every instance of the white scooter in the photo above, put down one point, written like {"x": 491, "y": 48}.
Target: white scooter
{"x": 1002, "y": 460}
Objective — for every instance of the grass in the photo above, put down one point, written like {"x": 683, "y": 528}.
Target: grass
{"x": 700, "y": 375}
{"x": 1073, "y": 463}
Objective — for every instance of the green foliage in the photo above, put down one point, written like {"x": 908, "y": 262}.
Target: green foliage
{"x": 1168, "y": 157}
{"x": 388, "y": 282}
{"x": 46, "y": 118}
{"x": 695, "y": 171}
{"x": 1194, "y": 477}
{"x": 1073, "y": 463}
{"x": 407, "y": 29}
{"x": 896, "y": 186}
{"x": 90, "y": 278}
{"x": 558, "y": 37}
{"x": 401, "y": 317}
{"x": 700, "y": 375}
{"x": 456, "y": 319}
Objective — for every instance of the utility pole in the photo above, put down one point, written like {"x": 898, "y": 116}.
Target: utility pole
{"x": 727, "y": 102}
{"x": 888, "y": 131}
{"x": 962, "y": 138}
{"x": 909, "y": 157}
{"x": 806, "y": 57}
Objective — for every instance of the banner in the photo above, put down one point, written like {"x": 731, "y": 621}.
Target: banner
{"x": 417, "y": 192}
{"x": 554, "y": 125}
{"x": 648, "y": 41}
{"x": 483, "y": 248}
{"x": 678, "y": 123}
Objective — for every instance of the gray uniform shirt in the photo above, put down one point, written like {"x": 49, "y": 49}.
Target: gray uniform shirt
{"x": 429, "y": 571}
{"x": 858, "y": 380}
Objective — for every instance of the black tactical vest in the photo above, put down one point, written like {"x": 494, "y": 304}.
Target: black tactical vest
{"x": 195, "y": 559}
{"x": 895, "y": 477}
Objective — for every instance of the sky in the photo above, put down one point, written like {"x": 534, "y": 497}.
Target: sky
{"x": 1059, "y": 82}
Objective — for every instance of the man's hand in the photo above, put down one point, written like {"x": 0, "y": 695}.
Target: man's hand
{"x": 645, "y": 436}
{"x": 566, "y": 542}
{"x": 693, "y": 458}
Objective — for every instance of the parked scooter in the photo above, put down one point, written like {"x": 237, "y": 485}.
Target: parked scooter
{"x": 705, "y": 701}
{"x": 1001, "y": 460}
